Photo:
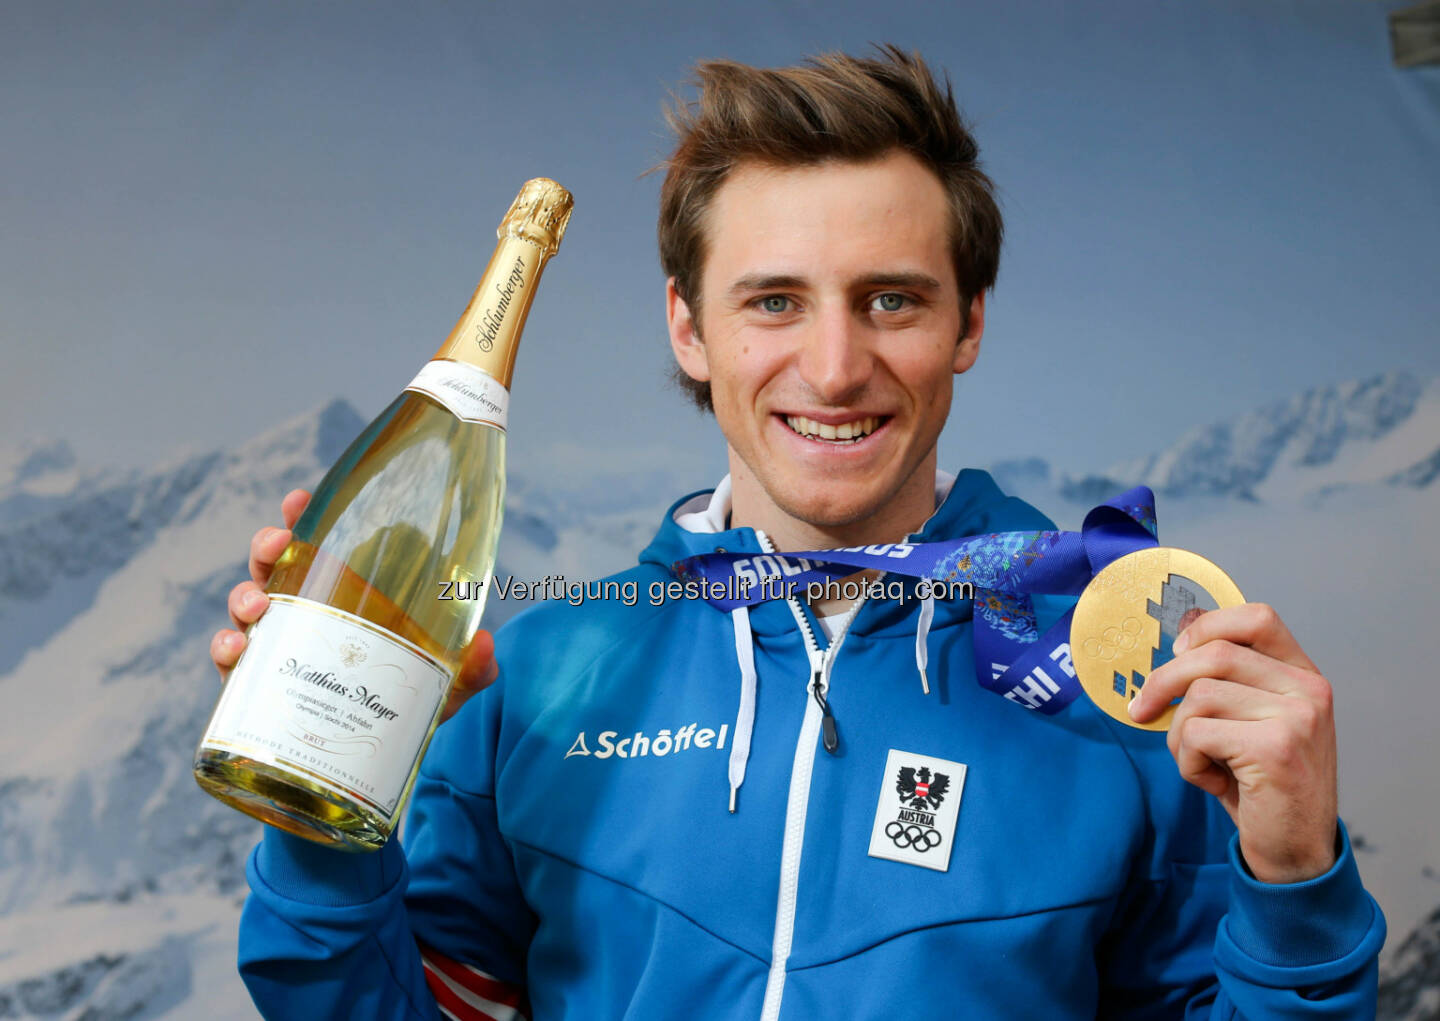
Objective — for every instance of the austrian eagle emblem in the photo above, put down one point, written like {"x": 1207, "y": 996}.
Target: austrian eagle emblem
{"x": 921, "y": 789}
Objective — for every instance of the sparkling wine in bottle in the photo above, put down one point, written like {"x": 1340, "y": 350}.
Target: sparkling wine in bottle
{"x": 322, "y": 724}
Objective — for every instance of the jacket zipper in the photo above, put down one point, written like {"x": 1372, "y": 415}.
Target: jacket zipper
{"x": 817, "y": 726}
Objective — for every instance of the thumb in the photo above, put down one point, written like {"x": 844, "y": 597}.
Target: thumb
{"x": 478, "y": 671}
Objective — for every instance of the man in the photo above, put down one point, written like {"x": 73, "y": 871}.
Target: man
{"x": 667, "y": 810}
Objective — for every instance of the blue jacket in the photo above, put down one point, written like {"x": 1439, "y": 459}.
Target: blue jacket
{"x": 571, "y": 833}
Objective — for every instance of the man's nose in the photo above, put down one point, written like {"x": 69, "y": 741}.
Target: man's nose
{"x": 836, "y": 360}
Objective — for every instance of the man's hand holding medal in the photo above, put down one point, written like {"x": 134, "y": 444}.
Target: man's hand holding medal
{"x": 1255, "y": 728}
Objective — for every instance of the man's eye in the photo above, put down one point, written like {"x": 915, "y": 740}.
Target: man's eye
{"x": 775, "y": 304}
{"x": 890, "y": 302}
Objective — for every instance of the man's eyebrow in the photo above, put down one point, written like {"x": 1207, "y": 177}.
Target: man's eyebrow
{"x": 780, "y": 281}
{"x": 918, "y": 281}
{"x": 766, "y": 282}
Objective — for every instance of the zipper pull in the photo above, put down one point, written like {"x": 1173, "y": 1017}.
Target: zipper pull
{"x": 828, "y": 735}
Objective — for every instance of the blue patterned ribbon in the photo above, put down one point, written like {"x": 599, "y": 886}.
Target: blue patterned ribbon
{"x": 1005, "y": 569}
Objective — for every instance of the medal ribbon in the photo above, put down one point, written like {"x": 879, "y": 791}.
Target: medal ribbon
{"x": 1012, "y": 658}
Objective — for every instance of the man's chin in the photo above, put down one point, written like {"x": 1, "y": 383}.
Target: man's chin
{"x": 833, "y": 512}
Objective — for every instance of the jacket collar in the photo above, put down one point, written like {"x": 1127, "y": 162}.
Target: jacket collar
{"x": 970, "y": 503}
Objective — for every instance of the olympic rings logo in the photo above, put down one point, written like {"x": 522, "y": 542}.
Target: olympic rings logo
{"x": 1113, "y": 640}
{"x": 922, "y": 838}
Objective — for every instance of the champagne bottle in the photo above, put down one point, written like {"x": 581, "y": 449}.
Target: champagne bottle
{"x": 322, "y": 724}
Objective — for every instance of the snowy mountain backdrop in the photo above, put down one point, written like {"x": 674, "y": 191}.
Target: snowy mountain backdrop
{"x": 120, "y": 882}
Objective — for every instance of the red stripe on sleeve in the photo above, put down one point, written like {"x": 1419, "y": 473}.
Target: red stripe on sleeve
{"x": 450, "y": 980}
{"x": 474, "y": 979}
{"x": 450, "y": 1004}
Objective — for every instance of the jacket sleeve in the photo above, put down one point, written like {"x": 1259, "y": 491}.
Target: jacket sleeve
{"x": 324, "y": 934}
{"x": 1196, "y": 936}
{"x": 439, "y": 930}
{"x": 1299, "y": 950}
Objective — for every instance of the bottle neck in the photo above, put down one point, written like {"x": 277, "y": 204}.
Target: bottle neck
{"x": 488, "y": 332}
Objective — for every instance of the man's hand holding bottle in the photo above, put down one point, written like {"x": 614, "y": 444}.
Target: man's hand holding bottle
{"x": 248, "y": 603}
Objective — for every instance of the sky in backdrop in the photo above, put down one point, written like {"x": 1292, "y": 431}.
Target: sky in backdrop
{"x": 214, "y": 215}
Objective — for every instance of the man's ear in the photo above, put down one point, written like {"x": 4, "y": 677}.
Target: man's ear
{"x": 969, "y": 347}
{"x": 685, "y": 335}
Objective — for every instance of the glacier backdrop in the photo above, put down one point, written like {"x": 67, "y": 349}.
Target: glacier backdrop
{"x": 120, "y": 882}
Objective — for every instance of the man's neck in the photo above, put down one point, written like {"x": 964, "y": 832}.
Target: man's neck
{"x": 903, "y": 514}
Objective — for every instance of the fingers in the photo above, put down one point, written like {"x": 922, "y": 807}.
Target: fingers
{"x": 1211, "y": 699}
{"x": 1276, "y": 778}
{"x": 1229, "y": 700}
{"x": 246, "y": 603}
{"x": 1202, "y": 746}
{"x": 268, "y": 543}
{"x": 480, "y": 668}
{"x": 1224, "y": 660}
{"x": 1255, "y": 727}
{"x": 1236, "y": 740}
{"x": 225, "y": 649}
{"x": 265, "y": 548}
{"x": 477, "y": 672}
{"x": 1255, "y": 625}
{"x": 293, "y": 506}
{"x": 1204, "y": 751}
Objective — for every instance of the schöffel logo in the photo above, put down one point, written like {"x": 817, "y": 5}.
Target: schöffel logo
{"x": 919, "y": 790}
{"x": 608, "y": 743}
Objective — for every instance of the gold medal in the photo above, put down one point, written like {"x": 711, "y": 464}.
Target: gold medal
{"x": 1128, "y": 617}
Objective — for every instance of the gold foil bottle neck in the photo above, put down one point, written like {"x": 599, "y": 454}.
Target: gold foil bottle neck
{"x": 538, "y": 215}
{"x": 489, "y": 330}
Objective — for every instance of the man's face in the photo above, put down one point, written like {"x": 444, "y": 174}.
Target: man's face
{"x": 830, "y": 335}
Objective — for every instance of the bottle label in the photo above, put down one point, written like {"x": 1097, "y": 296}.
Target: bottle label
{"x": 332, "y": 696}
{"x": 470, "y": 394}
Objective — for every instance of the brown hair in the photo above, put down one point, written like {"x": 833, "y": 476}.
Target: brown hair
{"x": 832, "y": 107}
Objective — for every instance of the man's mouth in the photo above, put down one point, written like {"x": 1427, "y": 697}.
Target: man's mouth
{"x": 844, "y": 432}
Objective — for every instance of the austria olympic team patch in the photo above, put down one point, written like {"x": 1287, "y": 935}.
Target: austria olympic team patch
{"x": 919, "y": 807}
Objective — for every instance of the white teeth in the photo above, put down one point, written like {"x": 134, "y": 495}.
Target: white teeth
{"x": 845, "y": 432}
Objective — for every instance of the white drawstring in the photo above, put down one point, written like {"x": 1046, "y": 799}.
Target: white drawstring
{"x": 922, "y": 634}
{"x": 745, "y": 717}
{"x": 711, "y": 514}
{"x": 745, "y": 656}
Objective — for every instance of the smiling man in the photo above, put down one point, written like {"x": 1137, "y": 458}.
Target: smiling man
{"x": 832, "y": 333}
{"x": 666, "y": 810}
